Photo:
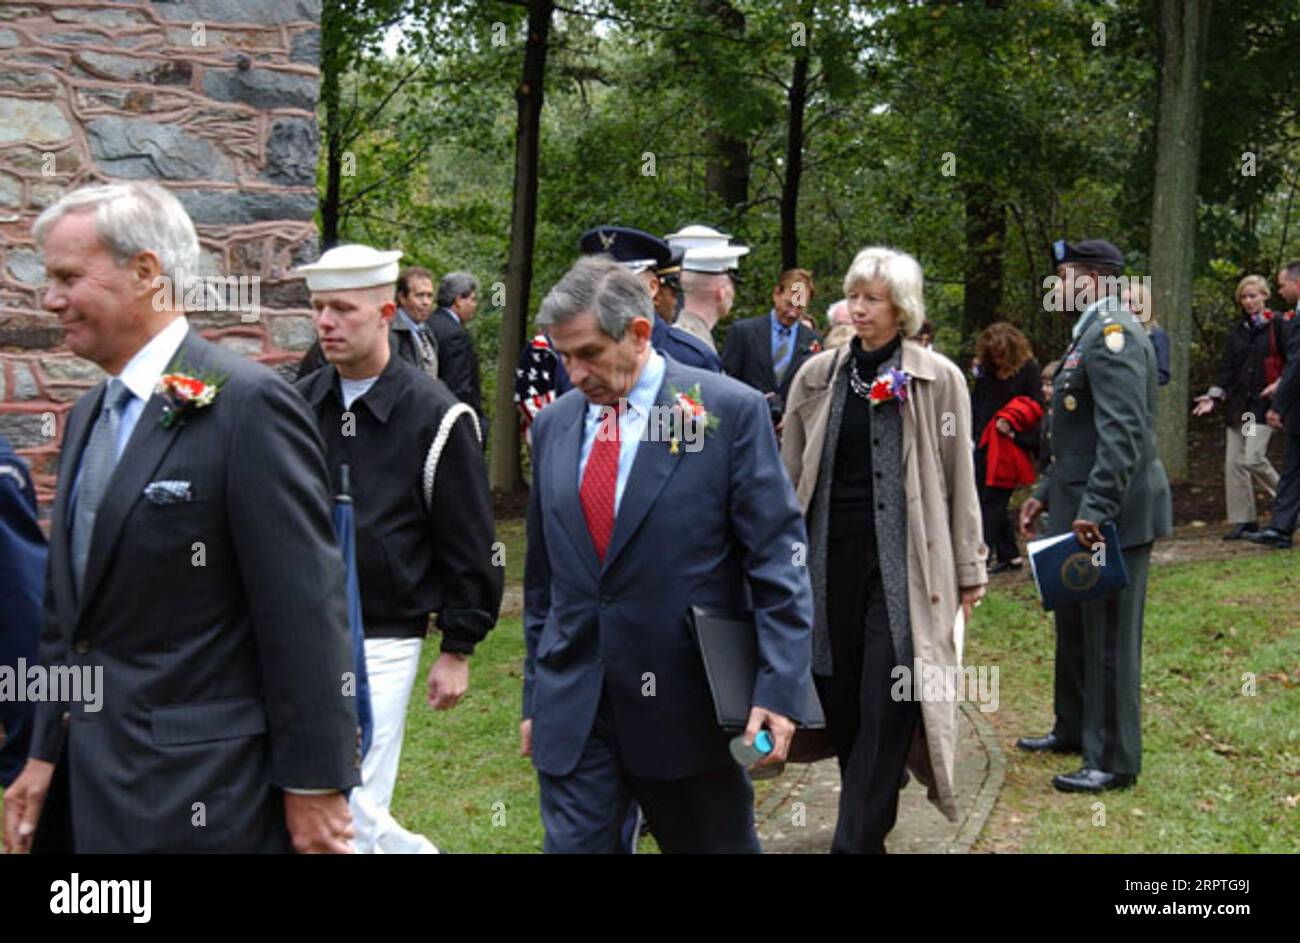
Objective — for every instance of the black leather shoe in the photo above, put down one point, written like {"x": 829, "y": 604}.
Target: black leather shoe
{"x": 1006, "y": 566}
{"x": 1092, "y": 780}
{"x": 1050, "y": 743}
{"x": 1268, "y": 537}
{"x": 1240, "y": 531}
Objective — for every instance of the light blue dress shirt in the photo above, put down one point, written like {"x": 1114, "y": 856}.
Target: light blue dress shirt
{"x": 631, "y": 425}
{"x": 777, "y": 336}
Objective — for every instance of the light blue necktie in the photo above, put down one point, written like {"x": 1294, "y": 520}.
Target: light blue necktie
{"x": 781, "y": 359}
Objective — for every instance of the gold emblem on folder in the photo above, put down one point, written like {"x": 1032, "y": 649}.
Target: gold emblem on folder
{"x": 1078, "y": 574}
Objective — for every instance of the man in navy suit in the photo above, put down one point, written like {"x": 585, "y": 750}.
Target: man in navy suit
{"x": 616, "y": 705}
{"x": 767, "y": 351}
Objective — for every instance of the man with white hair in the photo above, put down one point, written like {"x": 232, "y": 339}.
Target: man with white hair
{"x": 193, "y": 570}
{"x": 409, "y": 456}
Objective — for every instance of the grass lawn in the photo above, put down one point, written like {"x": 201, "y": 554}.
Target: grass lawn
{"x": 462, "y": 781}
{"x": 1221, "y": 768}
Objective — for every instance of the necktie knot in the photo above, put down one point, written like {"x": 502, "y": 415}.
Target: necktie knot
{"x": 116, "y": 396}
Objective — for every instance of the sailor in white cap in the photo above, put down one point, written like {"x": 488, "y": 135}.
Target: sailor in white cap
{"x": 696, "y": 236}
{"x": 707, "y": 288}
{"x": 408, "y": 453}
{"x": 359, "y": 266}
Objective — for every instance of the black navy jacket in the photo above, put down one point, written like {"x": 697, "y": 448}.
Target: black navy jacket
{"x": 412, "y": 560}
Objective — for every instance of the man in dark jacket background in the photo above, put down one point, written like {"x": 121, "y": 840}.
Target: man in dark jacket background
{"x": 457, "y": 359}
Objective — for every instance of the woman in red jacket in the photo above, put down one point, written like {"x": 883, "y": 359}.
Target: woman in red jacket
{"x": 1006, "y": 407}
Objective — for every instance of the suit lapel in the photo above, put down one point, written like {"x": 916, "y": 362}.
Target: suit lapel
{"x": 564, "y": 485}
{"x": 763, "y": 339}
{"x": 654, "y": 465}
{"x": 802, "y": 341}
{"x": 144, "y": 451}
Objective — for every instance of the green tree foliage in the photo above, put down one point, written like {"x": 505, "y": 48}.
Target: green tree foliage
{"x": 1032, "y": 119}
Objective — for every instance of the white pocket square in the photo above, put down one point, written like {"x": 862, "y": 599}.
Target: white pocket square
{"x": 168, "y": 492}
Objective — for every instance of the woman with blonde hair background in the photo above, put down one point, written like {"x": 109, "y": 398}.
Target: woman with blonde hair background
{"x": 877, "y": 443}
{"x": 1252, "y": 361}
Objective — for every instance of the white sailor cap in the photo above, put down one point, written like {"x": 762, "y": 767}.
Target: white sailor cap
{"x": 351, "y": 266}
{"x": 696, "y": 237}
{"x": 714, "y": 260}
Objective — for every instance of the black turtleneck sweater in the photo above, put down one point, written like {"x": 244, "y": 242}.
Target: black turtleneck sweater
{"x": 851, "y": 513}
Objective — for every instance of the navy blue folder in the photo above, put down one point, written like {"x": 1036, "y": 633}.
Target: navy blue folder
{"x": 1067, "y": 573}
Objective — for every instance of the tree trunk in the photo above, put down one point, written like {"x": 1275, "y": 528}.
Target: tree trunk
{"x": 506, "y": 472}
{"x": 798, "y": 98}
{"x": 1184, "y": 32}
{"x": 329, "y": 94}
{"x": 727, "y": 171}
{"x": 986, "y": 233}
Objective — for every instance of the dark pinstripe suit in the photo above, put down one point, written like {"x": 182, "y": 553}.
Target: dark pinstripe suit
{"x": 222, "y": 683}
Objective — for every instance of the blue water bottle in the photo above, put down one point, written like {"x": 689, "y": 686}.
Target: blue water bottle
{"x": 748, "y": 754}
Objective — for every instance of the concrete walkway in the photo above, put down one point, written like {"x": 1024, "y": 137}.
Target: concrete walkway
{"x": 796, "y": 813}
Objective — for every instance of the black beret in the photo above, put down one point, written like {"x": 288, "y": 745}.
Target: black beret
{"x": 1088, "y": 252}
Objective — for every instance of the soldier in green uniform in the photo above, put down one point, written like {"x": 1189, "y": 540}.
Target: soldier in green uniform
{"x": 1104, "y": 467}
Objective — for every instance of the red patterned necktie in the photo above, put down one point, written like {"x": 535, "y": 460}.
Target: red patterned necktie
{"x": 600, "y": 480}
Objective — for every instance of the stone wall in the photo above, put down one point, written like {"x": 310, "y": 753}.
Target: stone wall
{"x": 216, "y": 100}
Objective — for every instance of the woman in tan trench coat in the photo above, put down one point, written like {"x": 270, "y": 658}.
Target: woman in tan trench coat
{"x": 877, "y": 440}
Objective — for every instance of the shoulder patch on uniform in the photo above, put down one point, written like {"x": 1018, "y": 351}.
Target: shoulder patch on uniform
{"x": 1114, "y": 336}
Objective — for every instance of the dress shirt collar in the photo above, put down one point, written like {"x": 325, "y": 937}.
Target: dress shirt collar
{"x": 143, "y": 371}
{"x": 646, "y": 389}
